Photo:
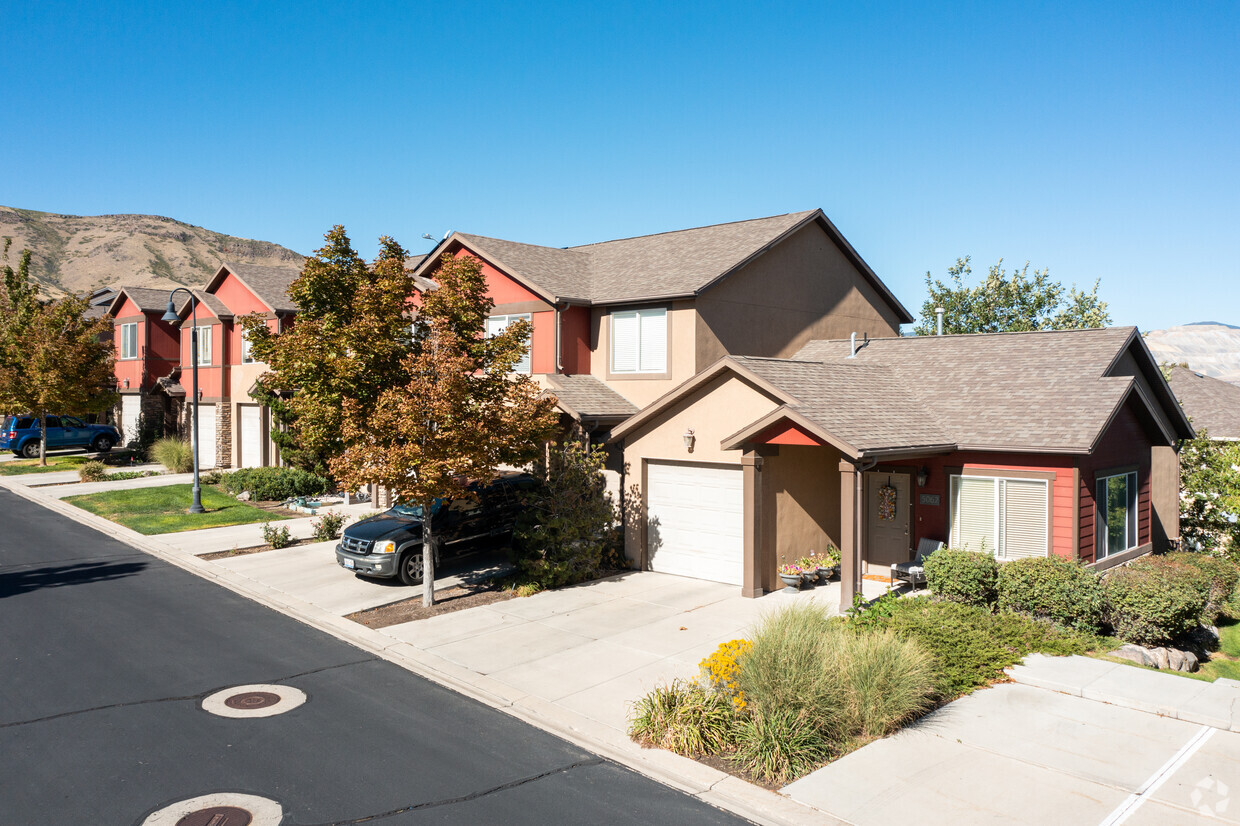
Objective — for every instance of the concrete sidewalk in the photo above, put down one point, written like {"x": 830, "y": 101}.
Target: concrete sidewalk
{"x": 231, "y": 537}
{"x": 64, "y": 477}
{"x": 63, "y": 491}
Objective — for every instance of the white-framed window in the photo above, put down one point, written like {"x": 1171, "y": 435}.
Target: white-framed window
{"x": 1115, "y": 521}
{"x": 639, "y": 341}
{"x": 204, "y": 344}
{"x": 246, "y": 356}
{"x": 1008, "y": 517}
{"x": 496, "y": 324}
{"x": 129, "y": 340}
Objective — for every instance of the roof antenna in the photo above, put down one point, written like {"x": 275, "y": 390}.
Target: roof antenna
{"x": 938, "y": 326}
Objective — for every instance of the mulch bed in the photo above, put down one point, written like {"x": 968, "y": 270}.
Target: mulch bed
{"x": 447, "y": 600}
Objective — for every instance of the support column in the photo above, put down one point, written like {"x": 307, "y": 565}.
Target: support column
{"x": 751, "y": 468}
{"x": 850, "y": 545}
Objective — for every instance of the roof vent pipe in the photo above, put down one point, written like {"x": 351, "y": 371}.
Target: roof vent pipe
{"x": 938, "y": 326}
{"x": 852, "y": 346}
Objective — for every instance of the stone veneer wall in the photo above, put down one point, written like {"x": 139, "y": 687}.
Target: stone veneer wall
{"x": 223, "y": 434}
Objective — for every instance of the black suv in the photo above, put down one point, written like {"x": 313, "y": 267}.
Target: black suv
{"x": 390, "y": 544}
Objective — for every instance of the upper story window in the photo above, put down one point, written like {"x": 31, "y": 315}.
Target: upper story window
{"x": 1007, "y": 517}
{"x": 496, "y": 324}
{"x": 129, "y": 340}
{"x": 639, "y": 341}
{"x": 204, "y": 345}
{"x": 1116, "y": 519}
{"x": 246, "y": 356}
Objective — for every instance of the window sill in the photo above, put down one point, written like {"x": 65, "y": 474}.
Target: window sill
{"x": 1122, "y": 557}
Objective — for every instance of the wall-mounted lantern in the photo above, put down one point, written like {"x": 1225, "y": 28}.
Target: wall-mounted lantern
{"x": 923, "y": 476}
{"x": 689, "y": 439}
{"x": 125, "y": 383}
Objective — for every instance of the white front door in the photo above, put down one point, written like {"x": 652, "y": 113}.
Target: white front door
{"x": 251, "y": 422}
{"x": 695, "y": 521}
{"x": 131, "y": 411}
{"x": 206, "y": 436}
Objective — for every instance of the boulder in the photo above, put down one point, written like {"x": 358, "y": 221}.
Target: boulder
{"x": 1175, "y": 659}
{"x": 1136, "y": 654}
{"x": 1190, "y": 662}
{"x": 1161, "y": 659}
{"x": 244, "y": 496}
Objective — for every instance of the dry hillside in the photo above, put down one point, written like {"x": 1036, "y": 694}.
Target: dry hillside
{"x": 1206, "y": 347}
{"x": 75, "y": 253}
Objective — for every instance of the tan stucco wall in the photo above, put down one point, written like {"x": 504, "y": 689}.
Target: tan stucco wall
{"x": 643, "y": 389}
{"x": 802, "y": 289}
{"x": 801, "y": 486}
{"x": 1164, "y": 496}
{"x": 241, "y": 379}
{"x": 715, "y": 411}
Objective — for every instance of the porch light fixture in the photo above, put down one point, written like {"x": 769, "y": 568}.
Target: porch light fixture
{"x": 689, "y": 439}
{"x": 171, "y": 317}
{"x": 923, "y": 476}
{"x": 126, "y": 383}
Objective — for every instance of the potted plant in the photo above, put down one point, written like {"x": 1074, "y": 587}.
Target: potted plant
{"x": 829, "y": 563}
{"x": 809, "y": 568}
{"x": 790, "y": 573}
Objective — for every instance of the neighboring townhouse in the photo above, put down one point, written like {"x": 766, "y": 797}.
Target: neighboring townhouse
{"x": 1025, "y": 444}
{"x": 619, "y": 323}
{"x": 1211, "y": 404}
{"x": 146, "y": 350}
{"x": 235, "y": 431}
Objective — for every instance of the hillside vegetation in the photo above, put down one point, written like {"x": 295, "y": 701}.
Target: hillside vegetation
{"x": 76, "y": 253}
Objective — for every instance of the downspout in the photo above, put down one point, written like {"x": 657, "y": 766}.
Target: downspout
{"x": 857, "y": 523}
{"x": 559, "y": 362}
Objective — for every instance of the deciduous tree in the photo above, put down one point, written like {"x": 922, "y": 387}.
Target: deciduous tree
{"x": 1210, "y": 495}
{"x": 1006, "y": 303}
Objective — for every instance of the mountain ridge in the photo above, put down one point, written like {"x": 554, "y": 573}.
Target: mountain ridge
{"x": 1207, "y": 347}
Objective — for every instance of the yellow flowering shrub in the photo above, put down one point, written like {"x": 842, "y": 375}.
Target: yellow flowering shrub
{"x": 719, "y": 670}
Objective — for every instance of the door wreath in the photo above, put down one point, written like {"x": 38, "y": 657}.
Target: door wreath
{"x": 887, "y": 503}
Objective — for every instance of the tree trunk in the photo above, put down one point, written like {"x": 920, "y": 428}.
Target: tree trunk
{"x": 42, "y": 438}
{"x": 428, "y": 555}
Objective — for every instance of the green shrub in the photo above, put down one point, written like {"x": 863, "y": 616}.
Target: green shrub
{"x": 777, "y": 746}
{"x": 130, "y": 474}
{"x": 825, "y": 674}
{"x": 971, "y": 645}
{"x": 1219, "y": 576}
{"x": 328, "y": 525}
{"x": 1152, "y": 601}
{"x": 685, "y": 718}
{"x": 274, "y": 484}
{"x": 175, "y": 454}
{"x": 1051, "y": 587}
{"x": 93, "y": 471}
{"x": 967, "y": 577}
{"x": 276, "y": 537}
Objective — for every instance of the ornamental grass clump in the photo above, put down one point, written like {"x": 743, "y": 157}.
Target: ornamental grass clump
{"x": 685, "y": 718}
{"x": 1050, "y": 587}
{"x": 175, "y": 454}
{"x": 777, "y": 746}
{"x": 967, "y": 577}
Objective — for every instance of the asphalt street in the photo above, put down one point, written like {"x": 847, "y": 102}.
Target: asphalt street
{"x": 106, "y": 655}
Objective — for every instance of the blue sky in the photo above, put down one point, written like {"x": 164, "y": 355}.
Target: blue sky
{"x": 1097, "y": 139}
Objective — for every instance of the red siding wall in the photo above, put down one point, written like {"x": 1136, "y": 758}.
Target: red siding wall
{"x": 157, "y": 347}
{"x": 237, "y": 297}
{"x": 1125, "y": 444}
{"x": 930, "y": 521}
{"x": 212, "y": 380}
{"x": 575, "y": 339}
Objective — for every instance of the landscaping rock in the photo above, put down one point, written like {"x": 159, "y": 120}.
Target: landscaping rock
{"x": 1166, "y": 659}
{"x": 1191, "y": 663}
{"x": 1136, "y": 654}
{"x": 1161, "y": 660}
{"x": 1175, "y": 659}
{"x": 244, "y": 496}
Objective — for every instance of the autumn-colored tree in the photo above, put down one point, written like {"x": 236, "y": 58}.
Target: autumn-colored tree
{"x": 1004, "y": 303}
{"x": 348, "y": 343}
{"x": 58, "y": 360}
{"x": 460, "y": 413}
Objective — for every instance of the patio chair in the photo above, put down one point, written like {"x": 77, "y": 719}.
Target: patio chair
{"x": 912, "y": 572}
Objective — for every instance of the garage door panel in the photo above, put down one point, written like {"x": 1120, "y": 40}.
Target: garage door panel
{"x": 251, "y": 435}
{"x": 206, "y": 438}
{"x": 131, "y": 410}
{"x": 695, "y": 521}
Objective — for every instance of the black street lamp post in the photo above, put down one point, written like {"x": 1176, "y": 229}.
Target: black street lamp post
{"x": 172, "y": 318}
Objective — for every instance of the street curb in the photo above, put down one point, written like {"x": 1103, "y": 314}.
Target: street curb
{"x": 711, "y": 786}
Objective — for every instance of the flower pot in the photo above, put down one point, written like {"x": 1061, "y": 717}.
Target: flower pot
{"x": 793, "y": 581}
{"x": 809, "y": 577}
{"x": 826, "y": 574}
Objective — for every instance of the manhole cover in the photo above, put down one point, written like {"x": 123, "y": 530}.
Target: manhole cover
{"x": 217, "y": 816}
{"x": 253, "y": 701}
{"x": 219, "y": 809}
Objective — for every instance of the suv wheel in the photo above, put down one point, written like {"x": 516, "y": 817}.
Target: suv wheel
{"x": 30, "y": 450}
{"x": 411, "y": 568}
{"x": 102, "y": 444}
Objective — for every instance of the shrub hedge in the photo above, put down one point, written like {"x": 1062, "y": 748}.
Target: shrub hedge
{"x": 1051, "y": 587}
{"x": 967, "y": 577}
{"x": 1219, "y": 577}
{"x": 1154, "y": 600}
{"x": 274, "y": 484}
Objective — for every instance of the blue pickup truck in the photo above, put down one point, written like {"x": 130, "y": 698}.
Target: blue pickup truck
{"x": 20, "y": 434}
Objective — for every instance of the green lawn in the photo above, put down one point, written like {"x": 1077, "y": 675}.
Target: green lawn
{"x": 16, "y": 467}
{"x": 1229, "y": 644}
{"x": 162, "y": 510}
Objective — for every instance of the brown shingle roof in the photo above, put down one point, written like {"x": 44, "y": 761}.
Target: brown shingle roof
{"x": 147, "y": 300}
{"x": 270, "y": 284}
{"x": 1213, "y": 405}
{"x": 585, "y": 397}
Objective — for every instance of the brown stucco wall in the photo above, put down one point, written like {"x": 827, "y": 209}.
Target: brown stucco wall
{"x": 802, "y": 289}
{"x": 1164, "y": 496}
{"x": 802, "y": 488}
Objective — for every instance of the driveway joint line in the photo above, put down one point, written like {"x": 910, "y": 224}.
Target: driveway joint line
{"x": 1134, "y": 801}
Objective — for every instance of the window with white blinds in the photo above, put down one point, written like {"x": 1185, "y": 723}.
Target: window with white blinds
{"x": 204, "y": 345}
{"x": 639, "y": 341}
{"x": 1008, "y": 517}
{"x": 496, "y": 324}
{"x": 129, "y": 341}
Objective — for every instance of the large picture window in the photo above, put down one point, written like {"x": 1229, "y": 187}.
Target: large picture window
{"x": 1116, "y": 520}
{"x": 129, "y": 340}
{"x": 639, "y": 341}
{"x": 204, "y": 345}
{"x": 1007, "y": 517}
{"x": 496, "y": 324}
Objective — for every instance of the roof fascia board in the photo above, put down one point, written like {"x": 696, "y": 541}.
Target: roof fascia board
{"x": 669, "y": 398}
{"x": 1154, "y": 375}
{"x": 920, "y": 450}
{"x": 1133, "y": 388}
{"x": 738, "y": 438}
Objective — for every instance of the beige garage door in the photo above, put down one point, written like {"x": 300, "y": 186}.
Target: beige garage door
{"x": 131, "y": 410}
{"x": 206, "y": 439}
{"x": 251, "y": 423}
{"x": 695, "y": 518}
